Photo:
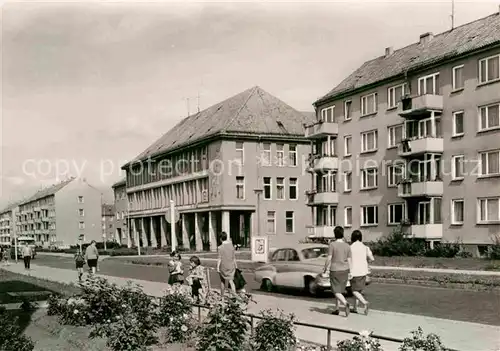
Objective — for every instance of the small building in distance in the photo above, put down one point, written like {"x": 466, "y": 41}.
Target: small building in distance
{"x": 108, "y": 220}
{"x": 122, "y": 233}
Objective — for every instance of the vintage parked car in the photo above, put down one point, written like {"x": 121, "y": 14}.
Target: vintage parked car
{"x": 297, "y": 266}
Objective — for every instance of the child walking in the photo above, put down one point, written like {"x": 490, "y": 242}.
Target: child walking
{"x": 197, "y": 278}
{"x": 79, "y": 262}
{"x": 175, "y": 269}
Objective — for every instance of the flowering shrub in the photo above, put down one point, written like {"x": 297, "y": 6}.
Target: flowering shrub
{"x": 275, "y": 331}
{"x": 226, "y": 327}
{"x": 75, "y": 311}
{"x": 12, "y": 337}
{"x": 55, "y": 305}
{"x": 363, "y": 342}
{"x": 103, "y": 299}
{"x": 175, "y": 313}
{"x": 420, "y": 342}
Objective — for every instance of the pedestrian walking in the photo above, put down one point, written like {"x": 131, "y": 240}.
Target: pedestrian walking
{"x": 27, "y": 253}
{"x": 197, "y": 279}
{"x": 339, "y": 253}
{"x": 361, "y": 255}
{"x": 175, "y": 268}
{"x": 79, "y": 262}
{"x": 92, "y": 256}
{"x": 226, "y": 264}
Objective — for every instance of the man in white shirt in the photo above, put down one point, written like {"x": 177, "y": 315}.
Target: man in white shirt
{"x": 27, "y": 253}
{"x": 360, "y": 255}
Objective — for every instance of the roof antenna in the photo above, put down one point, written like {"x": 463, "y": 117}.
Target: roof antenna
{"x": 198, "y": 101}
{"x": 452, "y": 14}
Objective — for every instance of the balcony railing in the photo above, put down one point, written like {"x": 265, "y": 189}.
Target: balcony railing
{"x": 421, "y": 186}
{"x": 321, "y": 129}
{"x": 427, "y": 231}
{"x": 323, "y": 162}
{"x": 420, "y": 105}
{"x": 322, "y": 198}
{"x": 417, "y": 146}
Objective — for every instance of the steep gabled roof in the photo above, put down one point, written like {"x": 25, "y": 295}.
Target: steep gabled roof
{"x": 464, "y": 39}
{"x": 253, "y": 111}
{"x": 51, "y": 190}
{"x": 9, "y": 207}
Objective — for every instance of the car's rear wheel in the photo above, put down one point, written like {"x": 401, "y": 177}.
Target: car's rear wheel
{"x": 267, "y": 285}
{"x": 311, "y": 286}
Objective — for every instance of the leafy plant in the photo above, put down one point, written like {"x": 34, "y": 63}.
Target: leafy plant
{"x": 275, "y": 331}
{"x": 420, "y": 342}
{"x": 12, "y": 338}
{"x": 175, "y": 313}
{"x": 103, "y": 299}
{"x": 363, "y": 342}
{"x": 54, "y": 305}
{"x": 226, "y": 327}
{"x": 494, "y": 250}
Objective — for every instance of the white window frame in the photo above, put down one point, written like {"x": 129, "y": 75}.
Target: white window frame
{"x": 454, "y": 159}
{"x": 391, "y": 134}
{"x": 346, "y": 151}
{"x": 324, "y": 114}
{"x": 393, "y": 171}
{"x": 390, "y": 213}
{"x": 346, "y": 184}
{"x": 81, "y": 212}
{"x": 296, "y": 186}
{"x": 485, "y": 80}
{"x": 364, "y": 178}
{"x": 270, "y": 185}
{"x": 365, "y": 97}
{"x": 292, "y": 150}
{"x": 240, "y": 183}
{"x": 453, "y": 219}
{"x": 273, "y": 219}
{"x": 282, "y": 186}
{"x": 346, "y": 209}
{"x": 292, "y": 218}
{"x": 486, "y": 201}
{"x": 497, "y": 151}
{"x": 266, "y": 155}
{"x": 280, "y": 155}
{"x": 482, "y": 128}
{"x": 363, "y": 219}
{"x": 454, "y": 78}
{"x": 391, "y": 94}
{"x": 347, "y": 116}
{"x": 241, "y": 150}
{"x": 364, "y": 141}
{"x": 454, "y": 132}
{"x": 81, "y": 225}
{"x": 435, "y": 88}
{"x": 80, "y": 199}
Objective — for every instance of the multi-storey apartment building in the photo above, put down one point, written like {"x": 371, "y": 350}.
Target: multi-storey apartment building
{"x": 59, "y": 214}
{"x": 235, "y": 167}
{"x": 8, "y": 224}
{"x": 416, "y": 132}
{"x": 108, "y": 222}
{"x": 121, "y": 209}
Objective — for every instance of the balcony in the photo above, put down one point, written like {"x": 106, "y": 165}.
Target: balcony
{"x": 320, "y": 163}
{"x": 323, "y": 231}
{"x": 421, "y": 189}
{"x": 322, "y": 198}
{"x": 427, "y": 231}
{"x": 37, "y": 209}
{"x": 321, "y": 130}
{"x": 421, "y": 146}
{"x": 420, "y": 105}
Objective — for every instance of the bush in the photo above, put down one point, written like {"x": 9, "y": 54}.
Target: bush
{"x": 443, "y": 250}
{"x": 175, "y": 313}
{"x": 226, "y": 327}
{"x": 494, "y": 250}
{"x": 398, "y": 244}
{"x": 275, "y": 331}
{"x": 12, "y": 338}
{"x": 363, "y": 342}
{"x": 103, "y": 299}
{"x": 420, "y": 342}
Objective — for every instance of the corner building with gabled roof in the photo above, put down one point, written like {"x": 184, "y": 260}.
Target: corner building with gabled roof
{"x": 412, "y": 138}
{"x": 237, "y": 166}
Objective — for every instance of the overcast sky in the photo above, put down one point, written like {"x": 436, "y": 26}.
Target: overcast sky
{"x": 90, "y": 85}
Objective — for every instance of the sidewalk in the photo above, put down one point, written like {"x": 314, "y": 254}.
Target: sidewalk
{"x": 457, "y": 335}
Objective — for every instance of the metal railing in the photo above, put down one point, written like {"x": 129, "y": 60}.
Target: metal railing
{"x": 328, "y": 329}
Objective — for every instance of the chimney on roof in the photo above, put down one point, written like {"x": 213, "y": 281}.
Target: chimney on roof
{"x": 389, "y": 51}
{"x": 426, "y": 37}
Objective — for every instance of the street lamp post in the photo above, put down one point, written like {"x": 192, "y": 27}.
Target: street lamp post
{"x": 258, "y": 192}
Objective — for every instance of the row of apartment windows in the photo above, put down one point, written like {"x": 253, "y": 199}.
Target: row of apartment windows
{"x": 289, "y": 222}
{"x": 488, "y": 211}
{"x": 488, "y": 72}
{"x": 185, "y": 193}
{"x": 281, "y": 185}
{"x": 267, "y": 160}
{"x": 188, "y": 162}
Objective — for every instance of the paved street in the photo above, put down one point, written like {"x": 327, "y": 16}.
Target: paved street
{"x": 478, "y": 307}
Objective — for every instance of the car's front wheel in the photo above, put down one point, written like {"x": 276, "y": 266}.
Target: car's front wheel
{"x": 312, "y": 287}
{"x": 267, "y": 285}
